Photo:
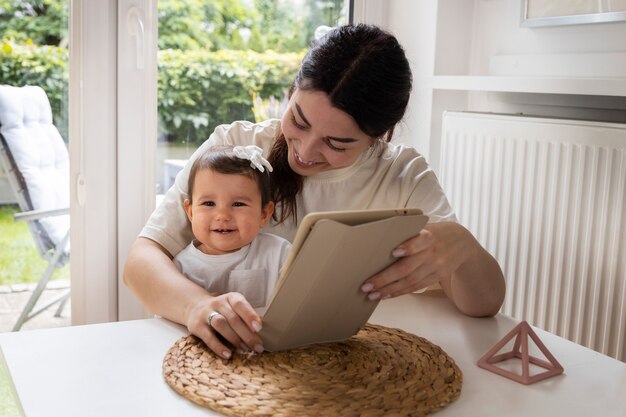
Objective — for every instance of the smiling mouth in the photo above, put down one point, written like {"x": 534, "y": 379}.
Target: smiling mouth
{"x": 224, "y": 231}
{"x": 303, "y": 163}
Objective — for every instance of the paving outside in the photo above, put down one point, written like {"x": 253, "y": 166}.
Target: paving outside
{"x": 13, "y": 299}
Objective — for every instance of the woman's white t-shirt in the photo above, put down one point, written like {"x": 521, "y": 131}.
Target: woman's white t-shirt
{"x": 390, "y": 176}
{"x": 252, "y": 270}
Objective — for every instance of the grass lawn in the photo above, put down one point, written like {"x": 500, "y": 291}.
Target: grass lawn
{"x": 19, "y": 260}
{"x": 9, "y": 407}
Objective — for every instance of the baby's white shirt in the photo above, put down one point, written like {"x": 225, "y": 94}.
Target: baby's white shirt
{"x": 252, "y": 270}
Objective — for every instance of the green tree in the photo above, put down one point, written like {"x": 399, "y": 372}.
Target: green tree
{"x": 230, "y": 23}
{"x": 280, "y": 28}
{"x": 198, "y": 24}
{"x": 180, "y": 25}
{"x": 43, "y": 22}
{"x": 324, "y": 13}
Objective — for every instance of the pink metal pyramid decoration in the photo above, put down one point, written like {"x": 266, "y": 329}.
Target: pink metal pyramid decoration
{"x": 520, "y": 351}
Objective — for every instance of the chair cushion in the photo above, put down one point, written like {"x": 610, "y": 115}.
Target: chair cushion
{"x": 38, "y": 151}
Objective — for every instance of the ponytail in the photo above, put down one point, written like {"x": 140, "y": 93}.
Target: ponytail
{"x": 286, "y": 184}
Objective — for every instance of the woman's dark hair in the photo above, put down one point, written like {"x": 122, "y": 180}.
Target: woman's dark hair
{"x": 365, "y": 72}
{"x": 222, "y": 159}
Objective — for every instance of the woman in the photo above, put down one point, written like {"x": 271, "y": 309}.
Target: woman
{"x": 330, "y": 151}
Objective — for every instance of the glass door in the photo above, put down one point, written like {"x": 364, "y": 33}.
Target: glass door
{"x": 221, "y": 61}
{"x": 216, "y": 61}
{"x": 34, "y": 51}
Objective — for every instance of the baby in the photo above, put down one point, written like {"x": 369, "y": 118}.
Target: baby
{"x": 228, "y": 205}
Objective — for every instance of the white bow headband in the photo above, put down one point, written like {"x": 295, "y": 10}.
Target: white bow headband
{"x": 254, "y": 154}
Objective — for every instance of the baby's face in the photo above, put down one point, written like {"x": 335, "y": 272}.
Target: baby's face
{"x": 225, "y": 211}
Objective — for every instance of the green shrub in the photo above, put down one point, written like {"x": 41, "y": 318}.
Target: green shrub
{"x": 43, "y": 22}
{"x": 197, "y": 90}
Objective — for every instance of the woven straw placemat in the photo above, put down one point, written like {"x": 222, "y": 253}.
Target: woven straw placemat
{"x": 378, "y": 372}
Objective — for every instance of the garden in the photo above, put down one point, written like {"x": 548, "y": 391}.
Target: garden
{"x": 218, "y": 61}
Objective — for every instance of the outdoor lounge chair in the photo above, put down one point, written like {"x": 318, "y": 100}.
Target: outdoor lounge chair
{"x": 36, "y": 161}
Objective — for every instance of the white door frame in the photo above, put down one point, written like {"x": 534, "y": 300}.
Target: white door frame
{"x": 136, "y": 133}
{"x": 92, "y": 147}
{"x": 112, "y": 114}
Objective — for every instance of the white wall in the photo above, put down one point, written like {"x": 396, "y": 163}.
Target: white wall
{"x": 588, "y": 50}
{"x": 460, "y": 37}
{"x": 413, "y": 23}
{"x": 497, "y": 31}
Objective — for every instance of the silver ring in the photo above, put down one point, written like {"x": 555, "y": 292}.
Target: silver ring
{"x": 211, "y": 316}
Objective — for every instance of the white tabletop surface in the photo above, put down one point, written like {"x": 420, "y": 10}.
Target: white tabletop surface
{"x": 114, "y": 369}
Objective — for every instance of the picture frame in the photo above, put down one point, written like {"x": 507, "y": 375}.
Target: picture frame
{"x": 538, "y": 13}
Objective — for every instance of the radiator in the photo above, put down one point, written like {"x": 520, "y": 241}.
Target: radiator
{"x": 547, "y": 198}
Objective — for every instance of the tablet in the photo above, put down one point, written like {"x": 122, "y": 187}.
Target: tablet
{"x": 318, "y": 296}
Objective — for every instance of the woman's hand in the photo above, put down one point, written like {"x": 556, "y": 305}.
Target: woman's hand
{"x": 155, "y": 280}
{"x": 236, "y": 322}
{"x": 448, "y": 254}
{"x": 427, "y": 259}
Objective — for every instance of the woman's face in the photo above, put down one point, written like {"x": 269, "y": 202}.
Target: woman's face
{"x": 320, "y": 137}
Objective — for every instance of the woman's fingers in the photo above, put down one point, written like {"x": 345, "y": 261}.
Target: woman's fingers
{"x": 247, "y": 321}
{"x": 226, "y": 322}
{"x": 419, "y": 243}
{"x": 240, "y": 305}
{"x": 432, "y": 256}
{"x": 237, "y": 321}
{"x": 404, "y": 274}
{"x": 221, "y": 326}
{"x": 412, "y": 283}
{"x": 199, "y": 326}
{"x": 241, "y": 318}
{"x": 415, "y": 269}
{"x": 213, "y": 342}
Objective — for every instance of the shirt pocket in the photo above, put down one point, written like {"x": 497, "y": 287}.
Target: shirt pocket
{"x": 252, "y": 283}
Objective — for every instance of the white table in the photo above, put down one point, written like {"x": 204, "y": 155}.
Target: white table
{"x": 114, "y": 369}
